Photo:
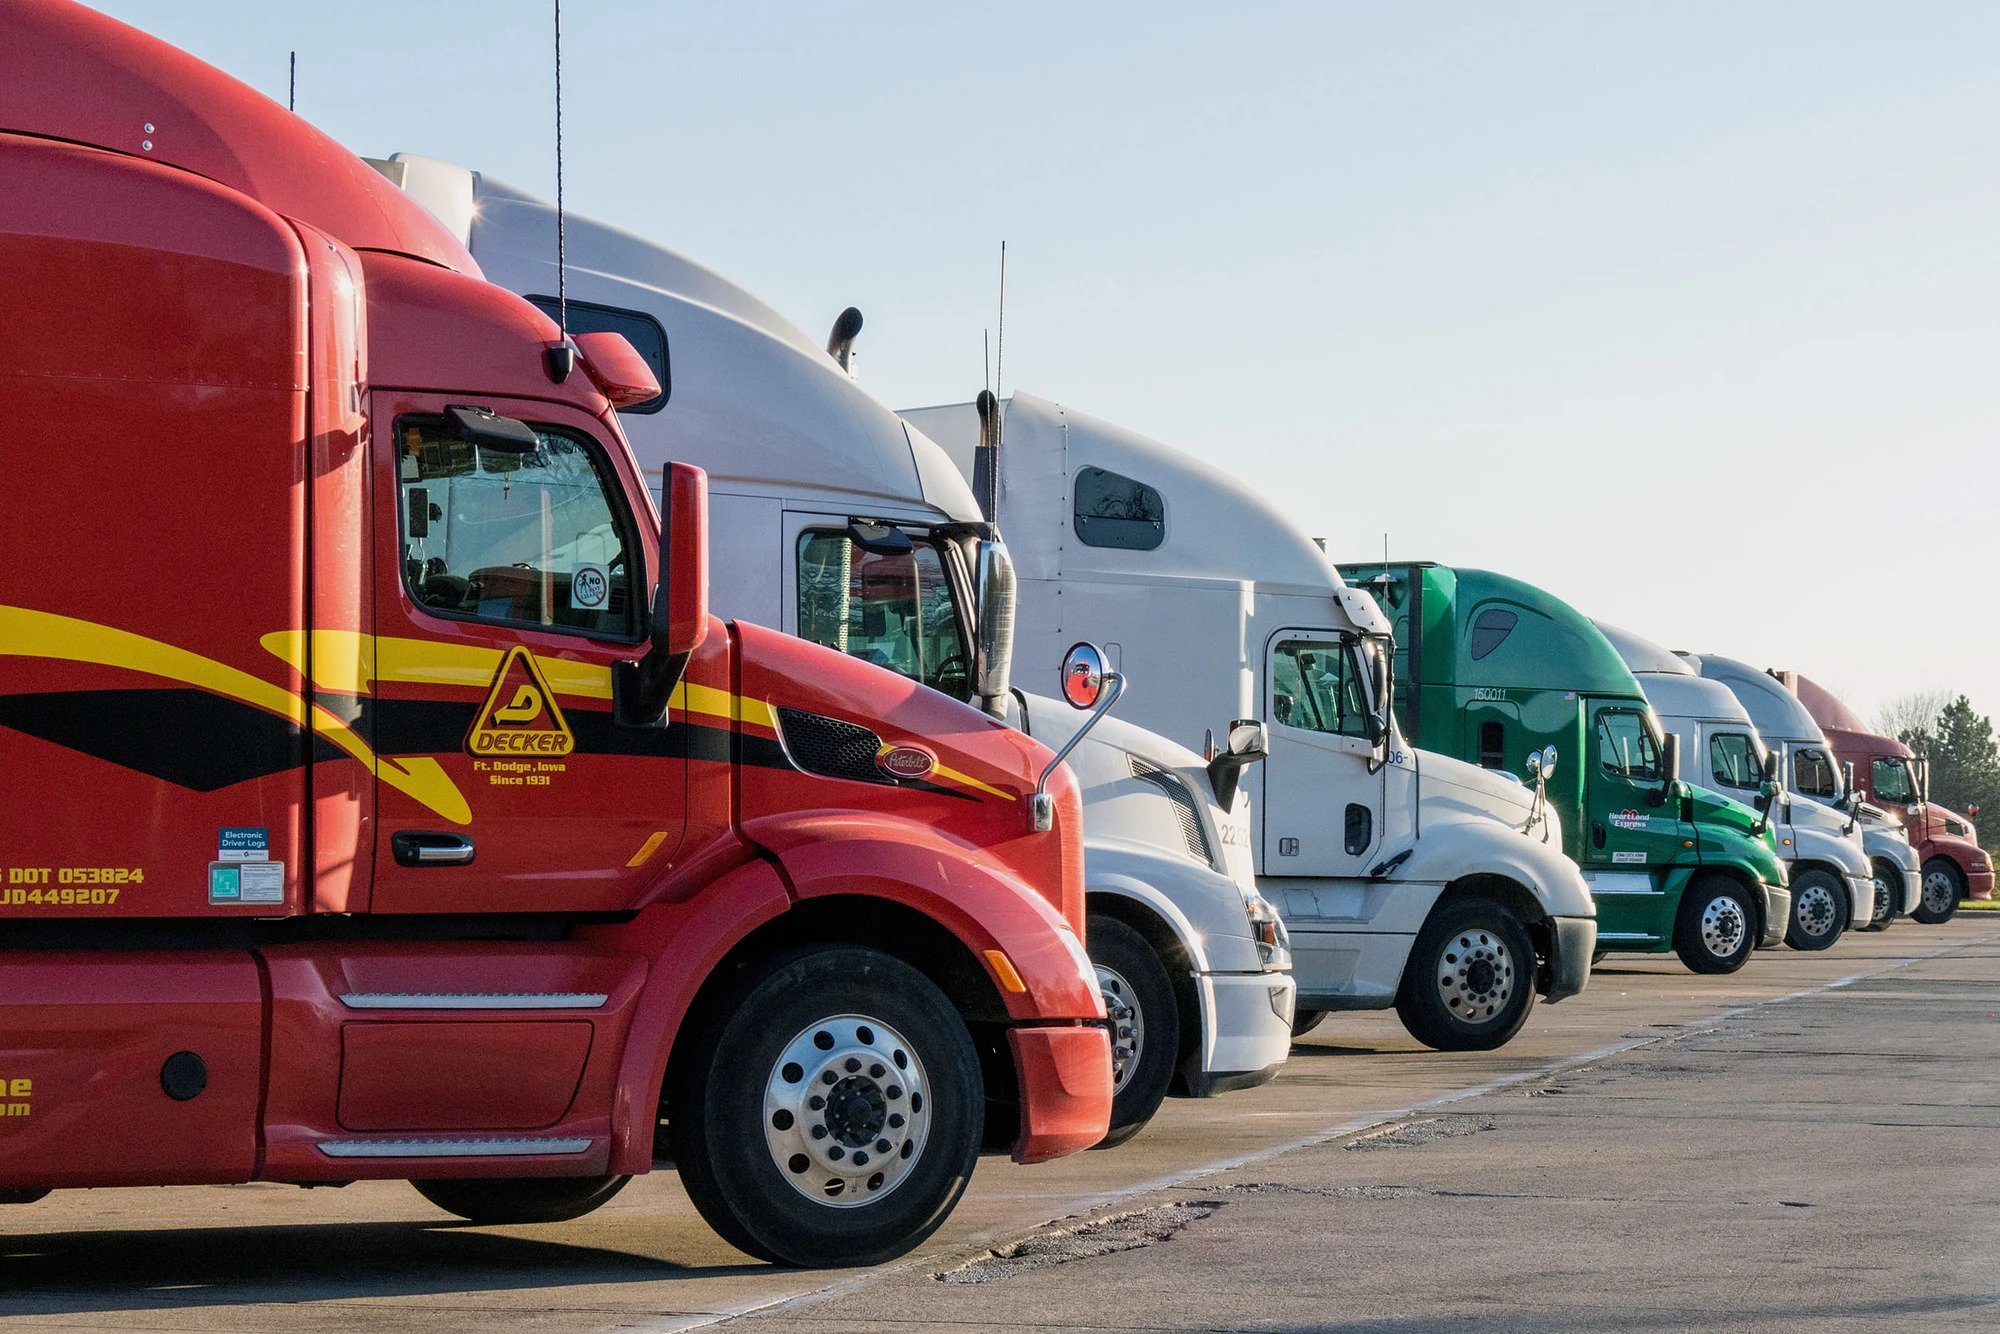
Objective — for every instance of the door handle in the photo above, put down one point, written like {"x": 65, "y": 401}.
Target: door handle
{"x": 1596, "y": 835}
{"x": 416, "y": 849}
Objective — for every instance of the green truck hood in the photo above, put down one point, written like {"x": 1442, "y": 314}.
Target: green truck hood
{"x": 1727, "y": 830}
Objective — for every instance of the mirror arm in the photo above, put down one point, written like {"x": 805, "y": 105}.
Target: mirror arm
{"x": 1042, "y": 806}
{"x": 642, "y": 690}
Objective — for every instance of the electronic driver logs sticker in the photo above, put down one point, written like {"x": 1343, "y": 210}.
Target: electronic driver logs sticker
{"x": 589, "y": 588}
{"x": 520, "y": 717}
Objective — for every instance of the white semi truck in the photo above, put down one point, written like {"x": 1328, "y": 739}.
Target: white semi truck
{"x": 833, "y": 520}
{"x": 1808, "y": 769}
{"x": 1721, "y": 750}
{"x": 1407, "y": 879}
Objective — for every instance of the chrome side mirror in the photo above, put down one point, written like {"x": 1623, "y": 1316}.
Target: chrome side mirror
{"x": 1087, "y": 684}
{"x": 993, "y": 676}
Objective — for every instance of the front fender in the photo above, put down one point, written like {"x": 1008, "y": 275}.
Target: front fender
{"x": 1894, "y": 849}
{"x": 975, "y": 897}
{"x": 684, "y": 942}
{"x": 1453, "y": 849}
{"x": 1203, "y": 909}
{"x": 1836, "y": 851}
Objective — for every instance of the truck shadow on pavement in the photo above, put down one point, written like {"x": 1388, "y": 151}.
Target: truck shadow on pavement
{"x": 70, "y": 1272}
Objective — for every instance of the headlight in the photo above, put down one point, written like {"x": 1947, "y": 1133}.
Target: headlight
{"x": 1274, "y": 944}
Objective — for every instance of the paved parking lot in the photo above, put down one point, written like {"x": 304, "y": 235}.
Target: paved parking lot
{"x": 1807, "y": 1143}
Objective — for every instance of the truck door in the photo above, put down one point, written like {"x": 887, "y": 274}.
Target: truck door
{"x": 1323, "y": 808}
{"x": 510, "y": 582}
{"x": 1629, "y": 840}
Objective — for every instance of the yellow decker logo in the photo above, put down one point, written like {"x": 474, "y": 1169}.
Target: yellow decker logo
{"x": 520, "y": 716}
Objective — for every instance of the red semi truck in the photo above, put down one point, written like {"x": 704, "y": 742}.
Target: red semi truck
{"x": 367, "y": 813}
{"x": 1891, "y": 775}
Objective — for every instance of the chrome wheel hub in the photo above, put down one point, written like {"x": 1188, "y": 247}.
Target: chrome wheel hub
{"x": 1817, "y": 910}
{"x": 1723, "y": 926}
{"x": 846, "y": 1110}
{"x": 1475, "y": 976}
{"x": 1883, "y": 890}
{"x": 1939, "y": 891}
{"x": 1128, "y": 1026}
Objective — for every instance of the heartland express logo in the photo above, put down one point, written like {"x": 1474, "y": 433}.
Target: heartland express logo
{"x": 1629, "y": 819}
{"x": 520, "y": 716}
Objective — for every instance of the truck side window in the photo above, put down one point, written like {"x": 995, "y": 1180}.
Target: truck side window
{"x": 1625, "y": 746}
{"x": 641, "y": 330}
{"x": 1813, "y": 773}
{"x": 524, "y": 539}
{"x": 895, "y": 611}
{"x": 1314, "y": 687}
{"x": 1733, "y": 761}
{"x": 1892, "y": 781}
{"x": 1115, "y": 511}
{"x": 1490, "y": 629}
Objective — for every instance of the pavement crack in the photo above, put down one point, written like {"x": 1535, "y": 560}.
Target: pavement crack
{"x": 1424, "y": 1130}
{"x": 1104, "y": 1236}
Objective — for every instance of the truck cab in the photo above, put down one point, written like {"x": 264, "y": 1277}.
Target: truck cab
{"x": 1891, "y": 775}
{"x": 1377, "y": 855}
{"x": 1826, "y": 866}
{"x": 1496, "y": 672}
{"x": 841, "y": 524}
{"x": 439, "y": 833}
{"x": 1809, "y": 772}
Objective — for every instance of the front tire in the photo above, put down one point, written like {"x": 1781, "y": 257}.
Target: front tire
{"x": 495, "y": 1200}
{"x": 1888, "y": 893}
{"x": 1716, "y": 929}
{"x": 1819, "y": 911}
{"x": 1944, "y": 886}
{"x": 1145, "y": 1024}
{"x": 1470, "y": 981}
{"x": 1305, "y": 1021}
{"x": 831, "y": 1110}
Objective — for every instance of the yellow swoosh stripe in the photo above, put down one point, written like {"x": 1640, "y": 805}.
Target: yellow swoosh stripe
{"x": 40, "y": 634}
{"x": 946, "y": 771}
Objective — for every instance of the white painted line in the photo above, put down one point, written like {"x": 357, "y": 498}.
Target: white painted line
{"x": 1088, "y": 1203}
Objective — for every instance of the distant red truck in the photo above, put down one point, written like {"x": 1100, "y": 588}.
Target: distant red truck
{"x": 1891, "y": 776}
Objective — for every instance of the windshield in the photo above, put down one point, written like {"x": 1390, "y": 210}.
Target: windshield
{"x": 1893, "y": 781}
{"x": 898, "y": 610}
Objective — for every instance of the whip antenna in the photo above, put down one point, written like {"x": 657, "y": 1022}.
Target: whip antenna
{"x": 1000, "y": 340}
{"x": 560, "y": 359}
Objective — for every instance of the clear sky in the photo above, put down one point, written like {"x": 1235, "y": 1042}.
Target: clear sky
{"x": 1688, "y": 312}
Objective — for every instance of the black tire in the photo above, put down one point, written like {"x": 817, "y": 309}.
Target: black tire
{"x": 1888, "y": 893}
{"x": 852, "y": 1010}
{"x": 1716, "y": 929}
{"x": 1145, "y": 1023}
{"x": 1470, "y": 980}
{"x": 1944, "y": 886}
{"x": 1820, "y": 910}
{"x": 1305, "y": 1021}
{"x": 494, "y": 1200}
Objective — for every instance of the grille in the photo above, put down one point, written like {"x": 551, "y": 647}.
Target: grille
{"x": 829, "y": 747}
{"x": 1176, "y": 791}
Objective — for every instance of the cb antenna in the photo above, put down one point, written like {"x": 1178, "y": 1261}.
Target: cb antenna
{"x": 292, "y": 87}
{"x": 561, "y": 358}
{"x": 1000, "y": 340}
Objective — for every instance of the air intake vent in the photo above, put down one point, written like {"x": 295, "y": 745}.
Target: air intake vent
{"x": 829, "y": 747}
{"x": 1176, "y": 791}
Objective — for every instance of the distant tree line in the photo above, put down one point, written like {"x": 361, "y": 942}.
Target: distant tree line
{"x": 1965, "y": 760}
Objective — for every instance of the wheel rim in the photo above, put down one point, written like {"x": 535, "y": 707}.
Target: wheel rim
{"x": 1723, "y": 926}
{"x": 1817, "y": 910}
{"x": 1939, "y": 891}
{"x": 1475, "y": 976}
{"x": 1882, "y": 892}
{"x": 1128, "y": 1026}
{"x": 846, "y": 1110}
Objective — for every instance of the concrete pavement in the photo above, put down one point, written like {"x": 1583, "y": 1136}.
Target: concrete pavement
{"x": 1663, "y": 1151}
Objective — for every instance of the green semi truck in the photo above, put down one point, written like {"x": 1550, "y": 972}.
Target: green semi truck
{"x": 1495, "y": 672}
